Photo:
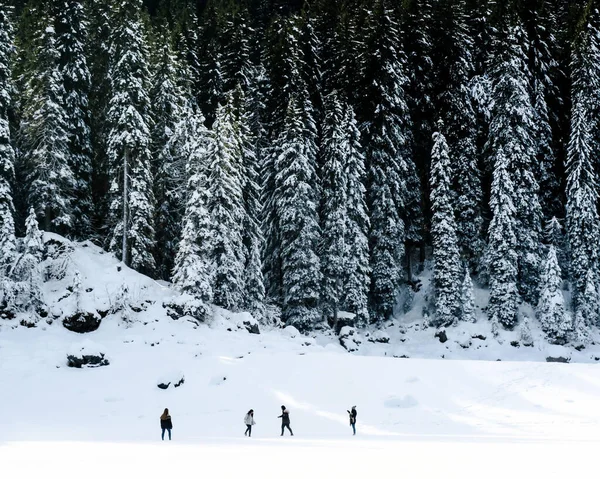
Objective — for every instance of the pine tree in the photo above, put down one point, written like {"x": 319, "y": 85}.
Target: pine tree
{"x": 468, "y": 299}
{"x": 297, "y": 221}
{"x": 555, "y": 236}
{"x": 168, "y": 105}
{"x": 582, "y": 193}
{"x": 71, "y": 38}
{"x": 392, "y": 182}
{"x": 225, "y": 204}
{"x": 44, "y": 139}
{"x": 333, "y": 208}
{"x": 446, "y": 256}
{"x": 501, "y": 256}
{"x": 250, "y": 132}
{"x": 26, "y": 274}
{"x": 512, "y": 136}
{"x": 453, "y": 71}
{"x": 8, "y": 243}
{"x": 98, "y": 47}
{"x": 129, "y": 142}
{"x": 551, "y": 307}
{"x": 194, "y": 271}
{"x": 357, "y": 278}
{"x": 589, "y": 309}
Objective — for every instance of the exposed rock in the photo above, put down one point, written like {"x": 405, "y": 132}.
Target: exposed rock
{"x": 479, "y": 336}
{"x": 441, "y": 335}
{"x": 350, "y": 339}
{"x": 379, "y": 337}
{"x": 558, "y": 359}
{"x": 251, "y": 327}
{"x": 87, "y": 360}
{"x": 175, "y": 378}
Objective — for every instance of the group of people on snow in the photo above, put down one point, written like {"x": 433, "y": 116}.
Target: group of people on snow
{"x": 166, "y": 423}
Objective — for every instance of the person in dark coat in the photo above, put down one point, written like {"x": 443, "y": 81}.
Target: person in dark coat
{"x": 249, "y": 422}
{"x": 285, "y": 420}
{"x": 166, "y": 424}
{"x": 352, "y": 414}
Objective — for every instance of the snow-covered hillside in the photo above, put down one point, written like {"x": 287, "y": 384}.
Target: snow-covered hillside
{"x": 87, "y": 288}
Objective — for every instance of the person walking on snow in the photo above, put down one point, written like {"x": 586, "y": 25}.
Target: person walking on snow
{"x": 285, "y": 420}
{"x": 352, "y": 414}
{"x": 249, "y": 421}
{"x": 166, "y": 424}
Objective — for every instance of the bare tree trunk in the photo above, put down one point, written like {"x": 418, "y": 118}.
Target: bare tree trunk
{"x": 125, "y": 174}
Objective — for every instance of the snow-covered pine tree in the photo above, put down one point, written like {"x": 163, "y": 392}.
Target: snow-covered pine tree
{"x": 237, "y": 35}
{"x": 551, "y": 307}
{"x": 334, "y": 203}
{"x": 582, "y": 188}
{"x": 98, "y": 47}
{"x": 225, "y": 204}
{"x": 512, "y": 135}
{"x": 44, "y": 140}
{"x": 297, "y": 219}
{"x": 467, "y": 299}
{"x": 554, "y": 235}
{"x": 501, "y": 256}
{"x": 27, "y": 294}
{"x": 186, "y": 45}
{"x": 168, "y": 105}
{"x": 283, "y": 65}
{"x": 357, "y": 277}
{"x": 250, "y": 143}
{"x": 453, "y": 70}
{"x": 446, "y": 255}
{"x": 543, "y": 29}
{"x": 393, "y": 185}
{"x": 194, "y": 271}
{"x": 129, "y": 142}
{"x": 8, "y": 243}
{"x": 212, "y": 91}
{"x": 71, "y": 38}
{"x": 590, "y": 309}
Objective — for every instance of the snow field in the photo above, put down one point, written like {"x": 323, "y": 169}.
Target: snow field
{"x": 416, "y": 417}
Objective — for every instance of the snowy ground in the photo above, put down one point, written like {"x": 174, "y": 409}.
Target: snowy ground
{"x": 417, "y": 417}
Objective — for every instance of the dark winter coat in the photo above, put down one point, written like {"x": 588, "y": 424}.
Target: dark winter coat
{"x": 166, "y": 423}
{"x": 285, "y": 418}
{"x": 352, "y": 416}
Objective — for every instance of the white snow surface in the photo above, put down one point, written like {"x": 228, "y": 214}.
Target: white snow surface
{"x": 418, "y": 417}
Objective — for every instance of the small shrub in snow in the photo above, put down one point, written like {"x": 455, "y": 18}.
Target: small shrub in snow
{"x": 525, "y": 333}
{"x": 468, "y": 299}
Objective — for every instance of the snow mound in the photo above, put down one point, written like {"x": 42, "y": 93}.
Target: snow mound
{"x": 405, "y": 402}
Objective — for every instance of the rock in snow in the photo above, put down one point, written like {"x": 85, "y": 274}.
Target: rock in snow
{"x": 86, "y": 354}
{"x": 175, "y": 378}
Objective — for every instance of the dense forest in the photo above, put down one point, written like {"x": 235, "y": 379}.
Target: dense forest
{"x": 311, "y": 157}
